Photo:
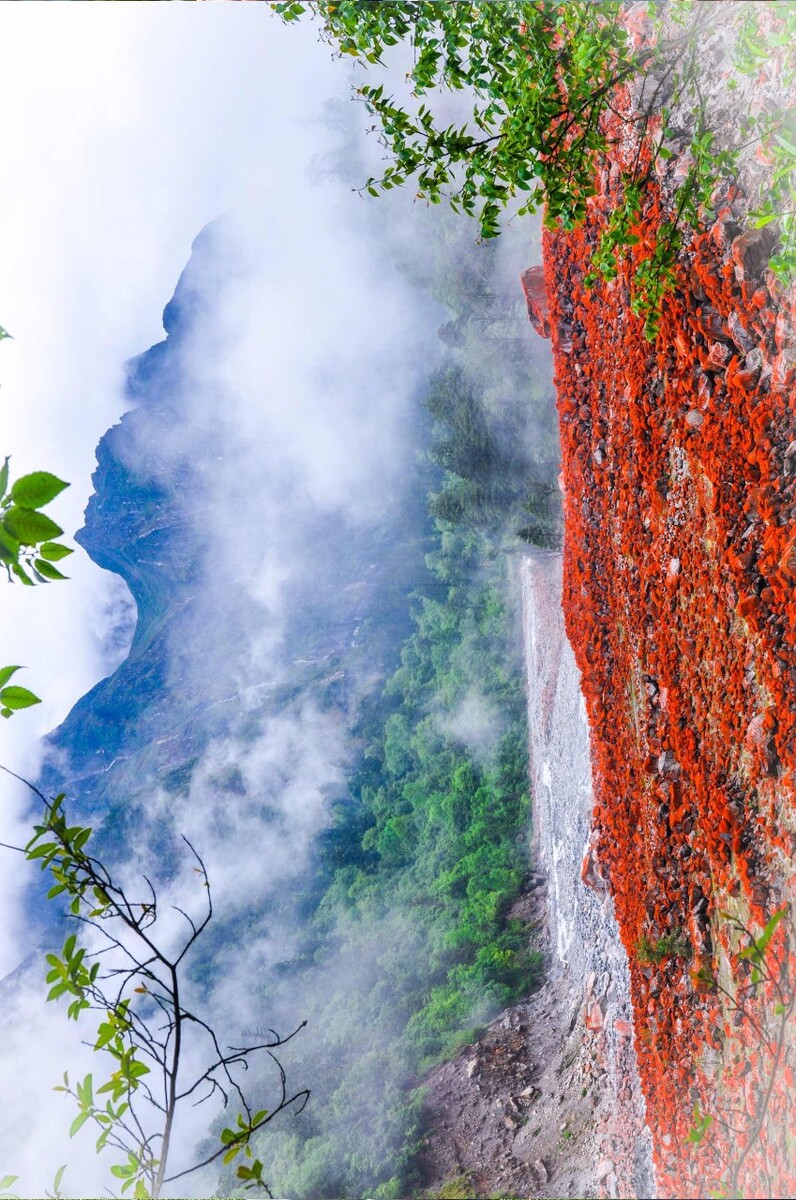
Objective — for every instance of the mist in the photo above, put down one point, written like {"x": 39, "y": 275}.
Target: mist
{"x": 272, "y": 439}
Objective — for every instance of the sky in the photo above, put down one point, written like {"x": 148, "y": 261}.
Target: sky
{"x": 134, "y": 125}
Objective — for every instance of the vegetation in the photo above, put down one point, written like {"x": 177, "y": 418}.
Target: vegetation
{"x": 540, "y": 81}
{"x": 671, "y": 945}
{"x": 762, "y": 1001}
{"x": 119, "y": 964}
{"x": 413, "y": 946}
{"x": 27, "y": 552}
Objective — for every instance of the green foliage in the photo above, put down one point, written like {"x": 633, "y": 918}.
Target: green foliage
{"x": 777, "y": 130}
{"x": 143, "y": 1019}
{"x": 14, "y": 697}
{"x": 414, "y": 923}
{"x": 26, "y": 550}
{"x": 762, "y": 998}
{"x": 671, "y": 945}
{"x": 541, "y": 78}
{"x": 26, "y": 535}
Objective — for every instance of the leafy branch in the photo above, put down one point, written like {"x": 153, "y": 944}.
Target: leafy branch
{"x": 124, "y": 973}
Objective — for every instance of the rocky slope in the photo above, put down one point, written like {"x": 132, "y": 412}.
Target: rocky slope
{"x": 679, "y": 569}
{"x": 547, "y": 1103}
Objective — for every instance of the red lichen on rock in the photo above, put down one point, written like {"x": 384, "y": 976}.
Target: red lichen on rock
{"x": 679, "y": 465}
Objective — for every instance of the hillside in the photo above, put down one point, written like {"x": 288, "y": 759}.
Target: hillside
{"x": 679, "y": 567}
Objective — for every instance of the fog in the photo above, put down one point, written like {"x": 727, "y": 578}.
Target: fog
{"x": 281, "y": 450}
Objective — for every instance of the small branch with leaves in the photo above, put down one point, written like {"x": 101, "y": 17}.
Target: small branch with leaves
{"x": 124, "y": 972}
{"x": 762, "y": 1001}
{"x": 27, "y": 552}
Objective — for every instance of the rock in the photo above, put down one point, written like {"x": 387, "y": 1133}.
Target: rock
{"x": 668, "y": 766}
{"x": 719, "y": 355}
{"x": 750, "y": 252}
{"x": 695, "y": 419}
{"x": 541, "y": 1171}
{"x": 623, "y": 1028}
{"x": 673, "y": 571}
{"x": 471, "y": 1068}
{"x": 535, "y": 289}
{"x": 590, "y": 873}
{"x": 604, "y": 1168}
{"x": 743, "y": 340}
{"x": 595, "y": 1016}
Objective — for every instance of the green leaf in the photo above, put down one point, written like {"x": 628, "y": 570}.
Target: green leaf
{"x": 6, "y": 673}
{"x": 54, "y": 551}
{"x": 18, "y": 697}
{"x": 48, "y": 570}
{"x": 21, "y": 576}
{"x": 37, "y": 489}
{"x": 8, "y": 1180}
{"x": 59, "y": 1174}
{"x": 30, "y": 527}
{"x": 3, "y": 486}
{"x": 9, "y": 547}
{"x": 78, "y": 1123}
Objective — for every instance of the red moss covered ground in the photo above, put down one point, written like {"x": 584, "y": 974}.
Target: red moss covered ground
{"x": 679, "y": 465}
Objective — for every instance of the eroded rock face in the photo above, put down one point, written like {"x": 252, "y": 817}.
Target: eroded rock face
{"x": 535, "y": 288}
{"x": 679, "y": 596}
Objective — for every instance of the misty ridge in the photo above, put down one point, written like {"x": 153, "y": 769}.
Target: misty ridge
{"x": 315, "y": 511}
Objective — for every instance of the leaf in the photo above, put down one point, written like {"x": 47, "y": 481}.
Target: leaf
{"x": 30, "y": 527}
{"x": 18, "y": 697}
{"x": 59, "y": 1174}
{"x": 78, "y": 1123}
{"x": 54, "y": 551}
{"x": 48, "y": 570}
{"x": 21, "y": 576}
{"x": 6, "y": 673}
{"x": 3, "y": 486}
{"x": 9, "y": 546}
{"x": 37, "y": 489}
{"x": 8, "y": 1180}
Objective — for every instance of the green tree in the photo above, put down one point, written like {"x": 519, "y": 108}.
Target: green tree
{"x": 539, "y": 77}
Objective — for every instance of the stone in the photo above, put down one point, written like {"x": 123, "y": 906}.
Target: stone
{"x": 718, "y": 355}
{"x": 743, "y": 339}
{"x": 604, "y": 1168}
{"x": 595, "y": 1016}
{"x": 695, "y": 419}
{"x": 750, "y": 252}
{"x": 535, "y": 289}
{"x": 541, "y": 1171}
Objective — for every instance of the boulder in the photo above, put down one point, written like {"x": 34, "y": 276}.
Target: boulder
{"x": 535, "y": 289}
